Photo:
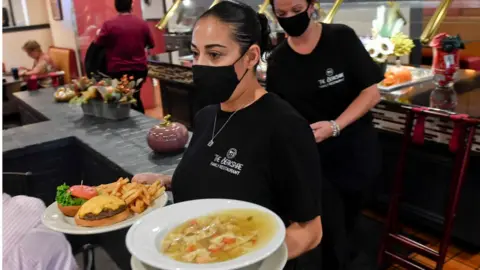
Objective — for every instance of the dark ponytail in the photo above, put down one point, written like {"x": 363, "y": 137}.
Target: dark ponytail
{"x": 266, "y": 42}
{"x": 248, "y": 27}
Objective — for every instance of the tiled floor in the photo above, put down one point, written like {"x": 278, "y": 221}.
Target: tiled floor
{"x": 457, "y": 258}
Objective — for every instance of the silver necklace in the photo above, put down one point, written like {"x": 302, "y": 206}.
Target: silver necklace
{"x": 211, "y": 142}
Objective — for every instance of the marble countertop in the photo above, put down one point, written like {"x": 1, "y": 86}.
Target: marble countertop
{"x": 121, "y": 142}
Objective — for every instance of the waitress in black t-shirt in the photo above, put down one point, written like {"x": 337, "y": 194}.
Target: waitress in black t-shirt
{"x": 251, "y": 145}
{"x": 324, "y": 72}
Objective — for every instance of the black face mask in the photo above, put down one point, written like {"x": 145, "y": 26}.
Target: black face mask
{"x": 296, "y": 25}
{"x": 215, "y": 85}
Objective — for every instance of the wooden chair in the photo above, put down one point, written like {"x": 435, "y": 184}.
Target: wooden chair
{"x": 66, "y": 61}
{"x": 460, "y": 144}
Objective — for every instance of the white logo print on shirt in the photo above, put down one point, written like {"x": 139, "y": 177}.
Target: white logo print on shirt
{"x": 227, "y": 163}
{"x": 232, "y": 153}
{"x": 331, "y": 78}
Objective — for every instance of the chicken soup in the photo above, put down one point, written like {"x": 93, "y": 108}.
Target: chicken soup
{"x": 219, "y": 237}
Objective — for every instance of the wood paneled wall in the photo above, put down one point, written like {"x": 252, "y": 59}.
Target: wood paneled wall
{"x": 462, "y": 21}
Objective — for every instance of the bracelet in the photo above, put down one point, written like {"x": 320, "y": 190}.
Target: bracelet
{"x": 335, "y": 128}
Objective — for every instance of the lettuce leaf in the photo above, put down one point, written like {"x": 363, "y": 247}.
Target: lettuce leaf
{"x": 64, "y": 197}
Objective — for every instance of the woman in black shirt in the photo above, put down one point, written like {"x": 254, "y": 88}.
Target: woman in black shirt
{"x": 249, "y": 145}
{"x": 324, "y": 72}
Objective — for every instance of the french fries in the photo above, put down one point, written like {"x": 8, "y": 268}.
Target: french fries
{"x": 137, "y": 196}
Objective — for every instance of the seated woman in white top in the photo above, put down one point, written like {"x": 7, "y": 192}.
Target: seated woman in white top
{"x": 42, "y": 64}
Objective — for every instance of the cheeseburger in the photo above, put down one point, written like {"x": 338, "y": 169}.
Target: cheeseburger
{"x": 69, "y": 199}
{"x": 102, "y": 210}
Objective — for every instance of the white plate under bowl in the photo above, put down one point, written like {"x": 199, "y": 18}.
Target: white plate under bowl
{"x": 145, "y": 236}
{"x": 276, "y": 261}
{"x": 54, "y": 219}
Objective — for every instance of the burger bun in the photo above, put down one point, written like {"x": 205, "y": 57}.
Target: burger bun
{"x": 69, "y": 211}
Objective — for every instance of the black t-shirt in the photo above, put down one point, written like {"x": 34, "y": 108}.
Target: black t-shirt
{"x": 266, "y": 154}
{"x": 321, "y": 85}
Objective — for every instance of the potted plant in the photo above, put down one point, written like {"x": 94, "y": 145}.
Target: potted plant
{"x": 109, "y": 98}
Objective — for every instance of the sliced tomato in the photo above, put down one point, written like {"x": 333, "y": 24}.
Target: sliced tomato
{"x": 82, "y": 191}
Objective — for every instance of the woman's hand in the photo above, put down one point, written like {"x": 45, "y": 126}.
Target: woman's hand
{"x": 303, "y": 237}
{"x": 322, "y": 130}
{"x": 150, "y": 178}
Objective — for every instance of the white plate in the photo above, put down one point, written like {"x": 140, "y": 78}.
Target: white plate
{"x": 144, "y": 237}
{"x": 276, "y": 261}
{"x": 55, "y": 220}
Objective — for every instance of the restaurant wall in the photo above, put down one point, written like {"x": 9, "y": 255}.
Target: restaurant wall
{"x": 152, "y": 14}
{"x": 19, "y": 12}
{"x": 153, "y": 11}
{"x": 27, "y": 12}
{"x": 90, "y": 15}
{"x": 37, "y": 12}
{"x": 13, "y": 55}
{"x": 462, "y": 21}
{"x": 64, "y": 32}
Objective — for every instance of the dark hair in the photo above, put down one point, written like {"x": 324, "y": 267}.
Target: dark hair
{"x": 309, "y": 2}
{"x": 123, "y": 5}
{"x": 248, "y": 27}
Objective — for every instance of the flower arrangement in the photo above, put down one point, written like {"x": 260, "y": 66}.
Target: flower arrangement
{"x": 112, "y": 91}
{"x": 387, "y": 38}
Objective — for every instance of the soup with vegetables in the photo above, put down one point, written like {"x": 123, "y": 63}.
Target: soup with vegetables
{"x": 219, "y": 237}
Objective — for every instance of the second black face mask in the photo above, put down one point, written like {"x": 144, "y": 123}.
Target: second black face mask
{"x": 296, "y": 25}
{"x": 215, "y": 85}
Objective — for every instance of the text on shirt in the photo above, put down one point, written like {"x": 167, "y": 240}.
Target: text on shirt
{"x": 331, "y": 78}
{"x": 226, "y": 163}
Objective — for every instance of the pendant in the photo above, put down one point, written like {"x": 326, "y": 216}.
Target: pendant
{"x": 210, "y": 143}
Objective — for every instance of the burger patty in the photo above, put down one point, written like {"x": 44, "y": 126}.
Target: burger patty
{"x": 106, "y": 213}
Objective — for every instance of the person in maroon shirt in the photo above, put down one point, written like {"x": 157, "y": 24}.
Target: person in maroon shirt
{"x": 125, "y": 39}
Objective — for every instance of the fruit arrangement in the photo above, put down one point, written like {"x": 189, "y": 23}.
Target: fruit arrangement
{"x": 64, "y": 94}
{"x": 110, "y": 91}
{"x": 83, "y": 83}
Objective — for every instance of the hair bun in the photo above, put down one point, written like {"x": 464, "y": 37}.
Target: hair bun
{"x": 266, "y": 42}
